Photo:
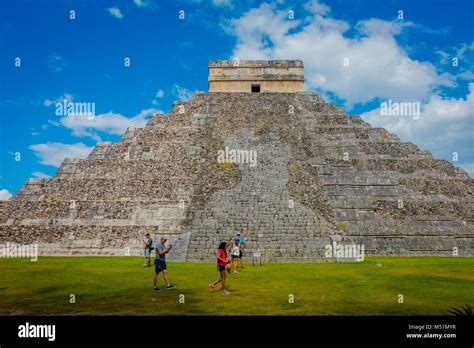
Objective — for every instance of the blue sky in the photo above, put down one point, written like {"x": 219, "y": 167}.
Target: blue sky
{"x": 82, "y": 60}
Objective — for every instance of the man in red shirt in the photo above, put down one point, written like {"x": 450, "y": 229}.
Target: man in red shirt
{"x": 222, "y": 266}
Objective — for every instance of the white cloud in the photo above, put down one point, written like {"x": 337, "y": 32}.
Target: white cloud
{"x": 110, "y": 123}
{"x": 378, "y": 66}
{"x": 56, "y": 63}
{"x": 5, "y": 195}
{"x": 443, "y": 56}
{"x": 463, "y": 56}
{"x": 65, "y": 97}
{"x": 182, "y": 93}
{"x": 465, "y": 53}
{"x": 53, "y": 154}
{"x": 227, "y": 3}
{"x": 115, "y": 12}
{"x": 48, "y": 102}
{"x": 40, "y": 175}
{"x": 444, "y": 114}
{"x": 378, "y": 27}
{"x": 467, "y": 75}
{"x": 445, "y": 126}
{"x": 316, "y": 7}
{"x": 466, "y": 50}
{"x": 221, "y": 3}
{"x": 50, "y": 122}
{"x": 54, "y": 123}
{"x": 145, "y": 4}
{"x": 159, "y": 94}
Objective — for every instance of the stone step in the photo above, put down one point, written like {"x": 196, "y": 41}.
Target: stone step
{"x": 366, "y": 190}
{"x": 416, "y": 245}
{"x": 401, "y": 166}
{"x": 361, "y": 202}
{"x": 347, "y": 215}
{"x": 367, "y": 179}
{"x": 381, "y": 227}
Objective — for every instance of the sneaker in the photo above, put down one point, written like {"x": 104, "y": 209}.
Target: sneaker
{"x": 236, "y": 271}
{"x": 170, "y": 287}
{"x": 225, "y": 292}
{"x": 211, "y": 286}
{"x": 157, "y": 289}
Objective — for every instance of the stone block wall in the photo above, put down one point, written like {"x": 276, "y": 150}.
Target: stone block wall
{"x": 319, "y": 175}
{"x": 270, "y": 75}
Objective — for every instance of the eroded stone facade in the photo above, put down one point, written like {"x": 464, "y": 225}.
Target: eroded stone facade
{"x": 320, "y": 175}
{"x": 264, "y": 75}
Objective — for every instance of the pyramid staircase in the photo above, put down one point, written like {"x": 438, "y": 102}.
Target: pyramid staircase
{"x": 320, "y": 174}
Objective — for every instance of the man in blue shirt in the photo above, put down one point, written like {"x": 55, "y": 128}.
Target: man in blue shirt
{"x": 241, "y": 241}
{"x": 161, "y": 249}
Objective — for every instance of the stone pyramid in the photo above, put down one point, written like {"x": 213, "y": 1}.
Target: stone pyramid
{"x": 320, "y": 176}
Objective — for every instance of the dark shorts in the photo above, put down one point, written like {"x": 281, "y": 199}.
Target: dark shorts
{"x": 241, "y": 254}
{"x": 160, "y": 266}
{"x": 220, "y": 268}
{"x": 235, "y": 257}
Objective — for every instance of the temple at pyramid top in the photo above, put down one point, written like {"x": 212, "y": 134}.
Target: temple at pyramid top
{"x": 285, "y": 76}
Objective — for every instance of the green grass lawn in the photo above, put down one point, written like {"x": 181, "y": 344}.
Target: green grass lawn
{"x": 121, "y": 286}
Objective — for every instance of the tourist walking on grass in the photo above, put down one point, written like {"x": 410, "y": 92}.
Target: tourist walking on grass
{"x": 148, "y": 249}
{"x": 235, "y": 255}
{"x": 241, "y": 239}
{"x": 222, "y": 266}
{"x": 161, "y": 249}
